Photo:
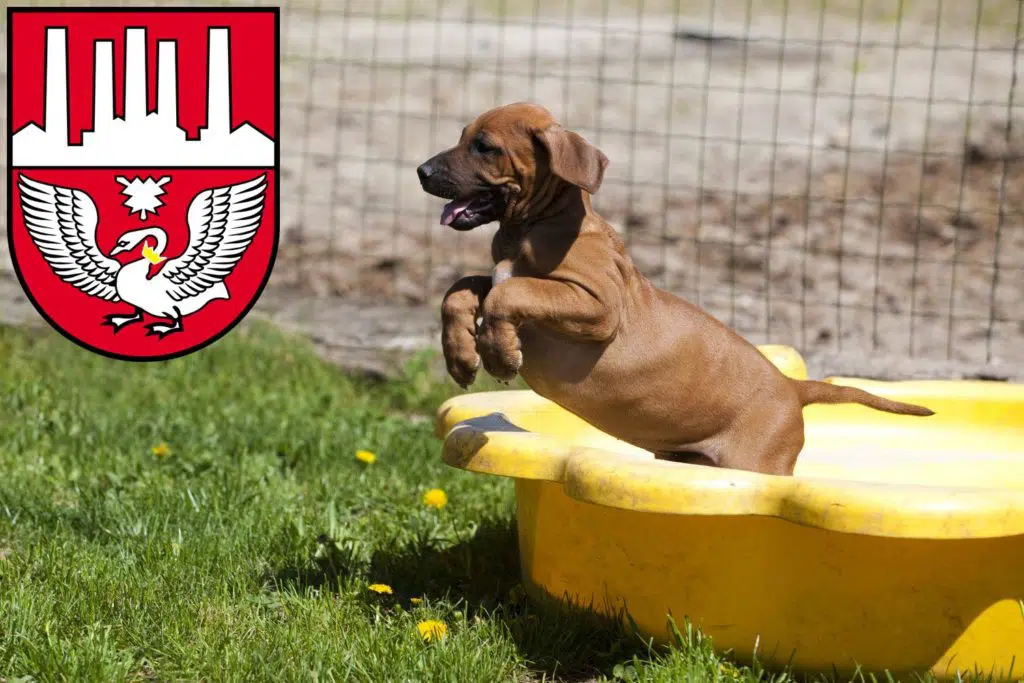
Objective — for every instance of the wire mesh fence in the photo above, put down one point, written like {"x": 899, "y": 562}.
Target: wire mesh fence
{"x": 833, "y": 174}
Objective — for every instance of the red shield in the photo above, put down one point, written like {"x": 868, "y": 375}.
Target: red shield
{"x": 143, "y": 171}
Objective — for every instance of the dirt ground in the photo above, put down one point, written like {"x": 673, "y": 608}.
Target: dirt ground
{"x": 854, "y": 188}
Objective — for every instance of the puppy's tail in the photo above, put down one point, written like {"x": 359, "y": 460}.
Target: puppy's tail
{"x": 811, "y": 391}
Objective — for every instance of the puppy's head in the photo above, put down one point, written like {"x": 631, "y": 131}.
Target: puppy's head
{"x": 509, "y": 157}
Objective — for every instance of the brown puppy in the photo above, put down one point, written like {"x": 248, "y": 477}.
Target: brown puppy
{"x": 567, "y": 309}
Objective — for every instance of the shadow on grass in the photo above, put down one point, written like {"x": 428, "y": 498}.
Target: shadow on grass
{"x": 480, "y": 575}
{"x": 330, "y": 565}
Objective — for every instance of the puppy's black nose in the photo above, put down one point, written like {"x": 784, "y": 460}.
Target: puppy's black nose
{"x": 425, "y": 171}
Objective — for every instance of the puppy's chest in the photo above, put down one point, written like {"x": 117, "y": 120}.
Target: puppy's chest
{"x": 503, "y": 270}
{"x": 513, "y": 264}
{"x": 514, "y": 256}
{"x": 506, "y": 269}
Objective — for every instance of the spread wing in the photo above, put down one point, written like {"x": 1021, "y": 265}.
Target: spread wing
{"x": 62, "y": 222}
{"x": 222, "y": 222}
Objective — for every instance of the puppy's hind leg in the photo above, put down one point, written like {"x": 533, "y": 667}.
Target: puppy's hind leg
{"x": 768, "y": 445}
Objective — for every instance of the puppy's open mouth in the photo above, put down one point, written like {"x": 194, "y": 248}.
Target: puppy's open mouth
{"x": 468, "y": 213}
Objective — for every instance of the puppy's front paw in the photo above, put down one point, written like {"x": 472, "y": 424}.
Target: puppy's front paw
{"x": 499, "y": 349}
{"x": 458, "y": 342}
{"x": 462, "y": 366}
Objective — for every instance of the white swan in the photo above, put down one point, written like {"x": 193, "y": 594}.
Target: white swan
{"x": 222, "y": 222}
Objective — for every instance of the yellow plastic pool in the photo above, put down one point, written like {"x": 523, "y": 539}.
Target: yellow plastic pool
{"x": 898, "y": 544}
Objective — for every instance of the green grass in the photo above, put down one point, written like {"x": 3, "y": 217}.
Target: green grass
{"x": 245, "y": 552}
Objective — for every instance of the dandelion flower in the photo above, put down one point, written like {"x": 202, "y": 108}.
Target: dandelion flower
{"x": 380, "y": 588}
{"x": 432, "y": 629}
{"x": 729, "y": 670}
{"x": 416, "y": 601}
{"x": 161, "y": 450}
{"x": 366, "y": 457}
{"x": 435, "y": 498}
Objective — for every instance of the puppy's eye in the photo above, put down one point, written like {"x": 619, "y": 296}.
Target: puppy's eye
{"x": 482, "y": 148}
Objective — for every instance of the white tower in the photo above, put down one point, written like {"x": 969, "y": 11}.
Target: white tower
{"x": 57, "y": 86}
{"x": 103, "y": 92}
{"x": 218, "y": 106}
{"x": 138, "y": 138}
{"x": 135, "y": 94}
{"x": 167, "y": 81}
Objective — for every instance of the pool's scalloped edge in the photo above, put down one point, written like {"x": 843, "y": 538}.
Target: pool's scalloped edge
{"x": 480, "y": 435}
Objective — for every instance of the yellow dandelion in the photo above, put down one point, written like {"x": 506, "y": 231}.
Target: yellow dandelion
{"x": 366, "y": 457}
{"x": 432, "y": 629}
{"x": 435, "y": 498}
{"x": 161, "y": 450}
{"x": 729, "y": 670}
{"x": 381, "y": 588}
{"x": 416, "y": 601}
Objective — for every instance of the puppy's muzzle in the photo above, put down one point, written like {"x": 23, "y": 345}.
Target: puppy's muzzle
{"x": 472, "y": 203}
{"x": 435, "y": 179}
{"x": 425, "y": 171}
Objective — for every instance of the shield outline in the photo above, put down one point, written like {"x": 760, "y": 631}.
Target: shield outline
{"x": 9, "y": 133}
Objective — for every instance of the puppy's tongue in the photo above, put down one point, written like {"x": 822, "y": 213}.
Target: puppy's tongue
{"x": 452, "y": 210}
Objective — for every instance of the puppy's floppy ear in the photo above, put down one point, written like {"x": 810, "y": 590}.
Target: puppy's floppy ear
{"x": 573, "y": 159}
